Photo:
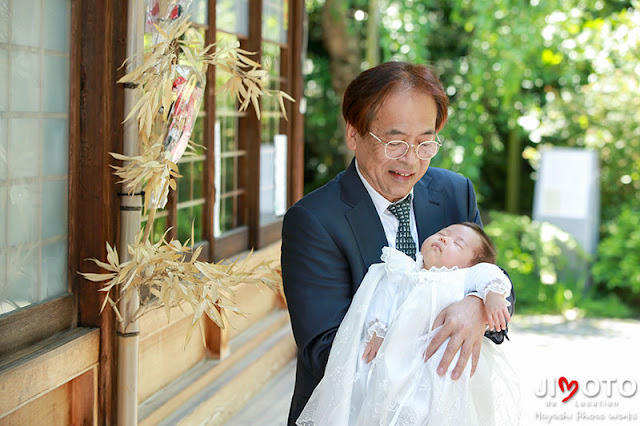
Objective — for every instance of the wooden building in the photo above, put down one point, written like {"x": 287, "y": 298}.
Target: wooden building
{"x": 61, "y": 113}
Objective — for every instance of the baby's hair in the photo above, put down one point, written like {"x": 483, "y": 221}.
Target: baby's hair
{"x": 487, "y": 251}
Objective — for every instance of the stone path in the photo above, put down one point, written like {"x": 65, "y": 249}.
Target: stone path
{"x": 601, "y": 355}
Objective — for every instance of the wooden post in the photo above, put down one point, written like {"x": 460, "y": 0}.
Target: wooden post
{"x": 216, "y": 339}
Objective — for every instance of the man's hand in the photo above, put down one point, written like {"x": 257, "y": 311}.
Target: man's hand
{"x": 462, "y": 322}
{"x": 372, "y": 348}
{"x": 496, "y": 310}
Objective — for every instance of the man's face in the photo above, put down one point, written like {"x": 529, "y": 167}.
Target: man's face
{"x": 407, "y": 115}
{"x": 455, "y": 245}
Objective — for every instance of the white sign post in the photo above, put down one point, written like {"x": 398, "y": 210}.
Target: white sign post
{"x": 567, "y": 194}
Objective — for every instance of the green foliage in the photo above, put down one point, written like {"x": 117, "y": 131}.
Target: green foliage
{"x": 617, "y": 267}
{"x": 548, "y": 269}
{"x": 601, "y": 113}
{"x": 324, "y": 148}
{"x": 542, "y": 261}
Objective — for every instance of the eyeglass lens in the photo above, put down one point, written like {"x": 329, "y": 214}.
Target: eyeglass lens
{"x": 397, "y": 149}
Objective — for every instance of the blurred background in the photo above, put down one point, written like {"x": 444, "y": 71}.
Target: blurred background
{"x": 524, "y": 78}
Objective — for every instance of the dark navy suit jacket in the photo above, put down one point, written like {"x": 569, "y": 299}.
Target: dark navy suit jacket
{"x": 329, "y": 240}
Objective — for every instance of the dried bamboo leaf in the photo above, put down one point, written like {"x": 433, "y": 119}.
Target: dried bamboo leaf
{"x": 97, "y": 277}
{"x": 248, "y": 61}
{"x": 189, "y": 334}
{"x": 282, "y": 107}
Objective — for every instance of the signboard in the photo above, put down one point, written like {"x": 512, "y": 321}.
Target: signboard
{"x": 567, "y": 193}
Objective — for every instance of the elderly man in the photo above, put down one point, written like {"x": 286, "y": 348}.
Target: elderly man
{"x": 388, "y": 196}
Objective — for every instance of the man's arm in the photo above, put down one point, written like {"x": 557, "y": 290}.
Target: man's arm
{"x": 317, "y": 285}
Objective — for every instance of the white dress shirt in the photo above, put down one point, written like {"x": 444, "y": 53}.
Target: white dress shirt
{"x": 389, "y": 221}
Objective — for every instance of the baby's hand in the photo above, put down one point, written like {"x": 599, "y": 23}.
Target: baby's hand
{"x": 496, "y": 311}
{"x": 372, "y": 348}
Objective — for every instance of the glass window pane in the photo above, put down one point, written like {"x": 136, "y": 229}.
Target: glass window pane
{"x": 275, "y": 20}
{"x": 232, "y": 16}
{"x": 198, "y": 181}
{"x": 4, "y": 22}
{"x": 3, "y": 220}
{"x": 4, "y": 145}
{"x": 22, "y": 277}
{"x": 273, "y": 150}
{"x": 186, "y": 218}
{"x": 197, "y": 135}
{"x": 34, "y": 150}
{"x": 25, "y": 81}
{"x": 54, "y": 269}
{"x": 24, "y": 148}
{"x": 226, "y": 215}
{"x": 57, "y": 25}
{"x": 56, "y": 84}
{"x": 228, "y": 174}
{"x": 56, "y": 147}
{"x": 199, "y": 11}
{"x": 24, "y": 214}
{"x": 229, "y": 140}
{"x": 4, "y": 84}
{"x": 184, "y": 183}
{"x": 54, "y": 208}
{"x": 26, "y": 24}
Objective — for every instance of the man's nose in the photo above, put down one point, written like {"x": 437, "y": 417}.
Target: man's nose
{"x": 411, "y": 156}
{"x": 443, "y": 239}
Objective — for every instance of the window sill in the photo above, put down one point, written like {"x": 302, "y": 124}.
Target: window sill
{"x": 45, "y": 366}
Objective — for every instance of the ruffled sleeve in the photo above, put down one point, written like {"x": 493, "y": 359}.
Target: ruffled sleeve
{"x": 485, "y": 277}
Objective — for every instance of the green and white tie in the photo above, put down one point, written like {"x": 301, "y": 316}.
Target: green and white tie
{"x": 404, "y": 241}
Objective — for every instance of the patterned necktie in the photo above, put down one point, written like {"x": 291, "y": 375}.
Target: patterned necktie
{"x": 404, "y": 240}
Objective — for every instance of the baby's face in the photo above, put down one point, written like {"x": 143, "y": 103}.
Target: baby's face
{"x": 455, "y": 245}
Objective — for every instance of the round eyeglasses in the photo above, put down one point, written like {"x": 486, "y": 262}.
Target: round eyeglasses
{"x": 424, "y": 150}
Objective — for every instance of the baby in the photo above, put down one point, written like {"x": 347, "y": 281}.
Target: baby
{"x": 377, "y": 372}
{"x": 457, "y": 246}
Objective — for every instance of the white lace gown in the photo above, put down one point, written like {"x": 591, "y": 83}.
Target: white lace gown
{"x": 400, "y": 300}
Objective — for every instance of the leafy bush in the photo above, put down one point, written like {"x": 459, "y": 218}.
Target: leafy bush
{"x": 545, "y": 263}
{"x": 549, "y": 269}
{"x": 617, "y": 268}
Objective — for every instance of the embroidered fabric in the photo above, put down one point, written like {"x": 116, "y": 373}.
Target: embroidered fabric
{"x": 398, "y": 387}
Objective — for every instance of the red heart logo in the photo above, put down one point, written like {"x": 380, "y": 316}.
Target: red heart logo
{"x": 569, "y": 384}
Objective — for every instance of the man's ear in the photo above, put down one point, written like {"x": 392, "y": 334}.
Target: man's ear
{"x": 352, "y": 137}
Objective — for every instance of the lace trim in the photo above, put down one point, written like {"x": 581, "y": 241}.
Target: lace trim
{"x": 376, "y": 327}
{"x": 497, "y": 286}
{"x": 443, "y": 269}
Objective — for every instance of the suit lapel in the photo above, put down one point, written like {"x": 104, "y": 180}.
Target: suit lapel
{"x": 429, "y": 208}
{"x": 363, "y": 218}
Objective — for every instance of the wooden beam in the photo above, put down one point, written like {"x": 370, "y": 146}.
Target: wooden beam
{"x": 28, "y": 326}
{"x": 99, "y": 32}
{"x": 209, "y": 139}
{"x": 250, "y": 133}
{"x": 297, "y": 18}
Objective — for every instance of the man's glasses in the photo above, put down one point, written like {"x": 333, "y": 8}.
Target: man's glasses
{"x": 424, "y": 150}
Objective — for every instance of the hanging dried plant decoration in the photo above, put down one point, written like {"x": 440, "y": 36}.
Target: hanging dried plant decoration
{"x": 170, "y": 82}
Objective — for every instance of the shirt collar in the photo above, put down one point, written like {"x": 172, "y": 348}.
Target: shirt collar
{"x": 381, "y": 204}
